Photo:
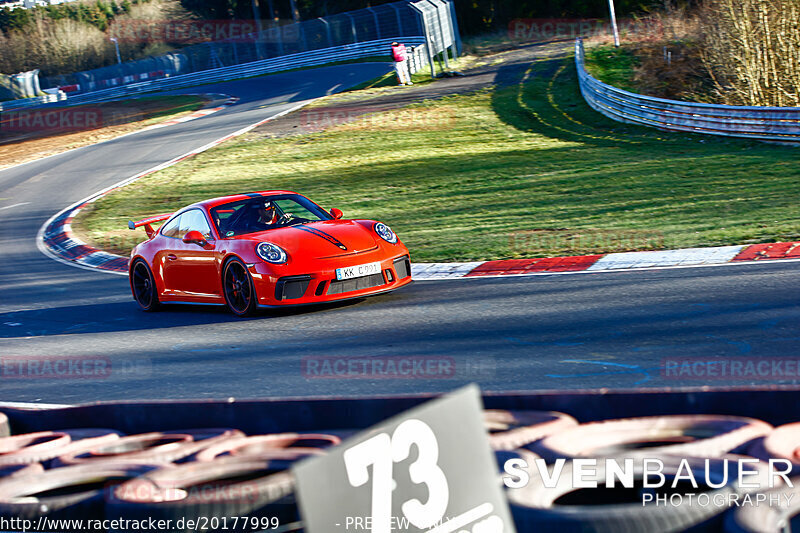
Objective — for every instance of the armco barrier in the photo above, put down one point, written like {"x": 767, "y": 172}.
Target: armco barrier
{"x": 33, "y": 102}
{"x": 257, "y": 68}
{"x": 774, "y": 404}
{"x": 780, "y": 124}
{"x": 234, "y": 43}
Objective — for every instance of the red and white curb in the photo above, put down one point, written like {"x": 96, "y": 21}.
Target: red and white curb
{"x": 200, "y": 113}
{"x": 625, "y": 261}
{"x": 64, "y": 247}
{"x": 56, "y": 240}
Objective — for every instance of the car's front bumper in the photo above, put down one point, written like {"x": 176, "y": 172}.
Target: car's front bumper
{"x": 320, "y": 286}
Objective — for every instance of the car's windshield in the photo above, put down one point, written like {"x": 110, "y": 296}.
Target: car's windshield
{"x": 265, "y": 213}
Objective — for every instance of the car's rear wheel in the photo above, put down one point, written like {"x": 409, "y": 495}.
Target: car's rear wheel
{"x": 143, "y": 286}
{"x": 237, "y": 285}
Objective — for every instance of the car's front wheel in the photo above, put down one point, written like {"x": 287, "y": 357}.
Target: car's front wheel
{"x": 237, "y": 285}
{"x": 143, "y": 286}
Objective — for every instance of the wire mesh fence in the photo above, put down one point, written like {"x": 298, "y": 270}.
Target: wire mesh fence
{"x": 432, "y": 19}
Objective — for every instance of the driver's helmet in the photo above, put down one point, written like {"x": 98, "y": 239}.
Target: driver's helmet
{"x": 267, "y": 212}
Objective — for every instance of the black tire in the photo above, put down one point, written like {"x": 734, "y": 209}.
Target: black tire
{"x": 32, "y": 447}
{"x": 685, "y": 435}
{"x": 20, "y": 470}
{"x": 783, "y": 516}
{"x": 565, "y": 509}
{"x": 83, "y": 439}
{"x": 782, "y": 443}
{"x": 509, "y": 430}
{"x": 70, "y": 493}
{"x": 223, "y": 489}
{"x": 143, "y": 286}
{"x": 150, "y": 448}
{"x": 238, "y": 289}
{"x": 279, "y": 446}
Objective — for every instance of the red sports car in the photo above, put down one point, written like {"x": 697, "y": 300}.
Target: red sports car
{"x": 263, "y": 249}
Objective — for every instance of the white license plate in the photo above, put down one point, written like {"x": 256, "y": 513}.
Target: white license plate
{"x": 358, "y": 271}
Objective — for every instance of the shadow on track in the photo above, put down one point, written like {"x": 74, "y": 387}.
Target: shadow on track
{"x": 126, "y": 316}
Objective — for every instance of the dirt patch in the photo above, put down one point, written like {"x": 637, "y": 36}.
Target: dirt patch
{"x": 29, "y": 134}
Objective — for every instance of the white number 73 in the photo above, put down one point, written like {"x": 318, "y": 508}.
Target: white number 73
{"x": 382, "y": 451}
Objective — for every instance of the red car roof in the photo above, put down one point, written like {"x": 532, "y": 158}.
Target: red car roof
{"x": 214, "y": 202}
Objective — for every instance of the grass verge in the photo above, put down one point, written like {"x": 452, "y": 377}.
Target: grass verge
{"x": 611, "y": 65}
{"x": 115, "y": 118}
{"x": 526, "y": 170}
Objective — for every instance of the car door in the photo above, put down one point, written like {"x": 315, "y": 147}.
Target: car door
{"x": 166, "y": 257}
{"x": 191, "y": 269}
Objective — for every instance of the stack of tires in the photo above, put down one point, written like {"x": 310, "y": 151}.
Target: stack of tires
{"x": 199, "y": 479}
{"x": 710, "y": 447}
{"x": 203, "y": 479}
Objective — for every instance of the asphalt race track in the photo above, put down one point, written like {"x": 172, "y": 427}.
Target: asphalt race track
{"x": 585, "y": 330}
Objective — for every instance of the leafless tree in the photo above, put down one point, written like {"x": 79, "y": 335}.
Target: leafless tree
{"x": 751, "y": 49}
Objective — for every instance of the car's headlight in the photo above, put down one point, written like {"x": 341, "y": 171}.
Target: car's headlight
{"x": 385, "y": 232}
{"x": 271, "y": 253}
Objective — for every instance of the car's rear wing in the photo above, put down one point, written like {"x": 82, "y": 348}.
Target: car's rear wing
{"x": 146, "y": 222}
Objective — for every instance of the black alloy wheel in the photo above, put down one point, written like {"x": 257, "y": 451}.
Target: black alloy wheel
{"x": 240, "y": 295}
{"x": 143, "y": 286}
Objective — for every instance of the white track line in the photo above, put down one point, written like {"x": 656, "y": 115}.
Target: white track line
{"x": 30, "y": 405}
{"x": 146, "y": 128}
{"x": 600, "y": 272}
{"x": 15, "y": 205}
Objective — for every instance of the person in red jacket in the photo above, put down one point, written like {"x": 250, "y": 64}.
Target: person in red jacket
{"x": 400, "y": 57}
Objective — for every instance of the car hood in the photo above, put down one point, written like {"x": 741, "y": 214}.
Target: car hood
{"x": 329, "y": 238}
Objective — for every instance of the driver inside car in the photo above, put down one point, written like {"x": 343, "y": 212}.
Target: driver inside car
{"x": 253, "y": 217}
{"x": 267, "y": 214}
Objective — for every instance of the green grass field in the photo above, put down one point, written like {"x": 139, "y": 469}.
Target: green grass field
{"x": 524, "y": 171}
{"x": 611, "y": 65}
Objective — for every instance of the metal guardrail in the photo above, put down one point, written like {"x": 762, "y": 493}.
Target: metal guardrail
{"x": 433, "y": 19}
{"x": 32, "y": 102}
{"x": 257, "y": 68}
{"x": 763, "y": 123}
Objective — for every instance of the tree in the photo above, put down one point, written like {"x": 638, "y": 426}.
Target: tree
{"x": 751, "y": 50}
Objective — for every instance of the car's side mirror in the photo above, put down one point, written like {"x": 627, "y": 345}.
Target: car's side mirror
{"x": 336, "y": 213}
{"x": 195, "y": 237}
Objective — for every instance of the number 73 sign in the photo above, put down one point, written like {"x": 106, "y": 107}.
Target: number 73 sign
{"x": 429, "y": 469}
